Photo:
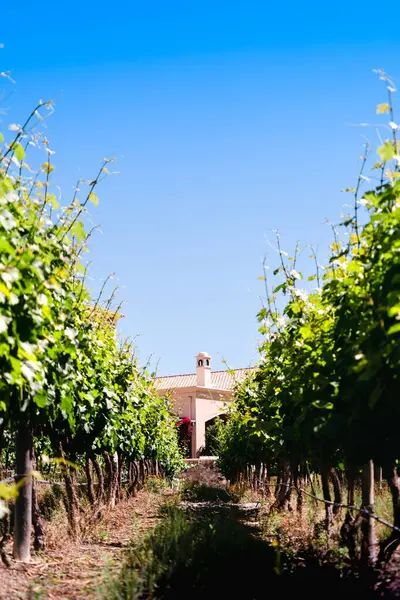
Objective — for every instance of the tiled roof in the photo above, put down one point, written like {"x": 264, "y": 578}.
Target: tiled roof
{"x": 221, "y": 380}
{"x": 171, "y": 382}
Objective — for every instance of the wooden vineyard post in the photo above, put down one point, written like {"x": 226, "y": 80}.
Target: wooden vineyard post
{"x": 327, "y": 497}
{"x": 368, "y": 554}
{"x": 23, "y": 503}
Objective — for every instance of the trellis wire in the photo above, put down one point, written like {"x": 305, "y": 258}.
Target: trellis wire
{"x": 363, "y": 511}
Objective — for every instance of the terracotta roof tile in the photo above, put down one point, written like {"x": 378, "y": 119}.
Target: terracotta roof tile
{"x": 221, "y": 380}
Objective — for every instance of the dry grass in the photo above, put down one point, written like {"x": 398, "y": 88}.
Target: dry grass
{"x": 76, "y": 569}
{"x": 302, "y": 531}
{"x": 204, "y": 473}
{"x": 71, "y": 569}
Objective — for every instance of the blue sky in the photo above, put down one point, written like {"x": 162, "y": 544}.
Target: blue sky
{"x": 227, "y": 121}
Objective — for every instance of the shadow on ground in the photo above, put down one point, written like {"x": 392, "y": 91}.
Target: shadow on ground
{"x": 229, "y": 559}
{"x": 210, "y": 550}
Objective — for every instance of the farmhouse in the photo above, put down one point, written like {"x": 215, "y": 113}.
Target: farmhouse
{"x": 201, "y": 396}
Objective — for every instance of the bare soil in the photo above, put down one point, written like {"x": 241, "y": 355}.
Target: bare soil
{"x": 74, "y": 570}
{"x": 203, "y": 472}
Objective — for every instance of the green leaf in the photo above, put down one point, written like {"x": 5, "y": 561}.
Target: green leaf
{"x": 93, "y": 198}
{"x": 66, "y": 404}
{"x": 4, "y": 290}
{"x": 6, "y": 247}
{"x": 305, "y": 332}
{"x": 1, "y": 138}
{"x": 8, "y": 491}
{"x": 78, "y": 231}
{"x": 355, "y": 266}
{"x": 295, "y": 307}
{"x": 394, "y": 329}
{"x": 40, "y": 399}
{"x": 386, "y": 151}
{"x": 327, "y": 405}
{"x": 19, "y": 152}
{"x": 394, "y": 310}
{"x": 279, "y": 287}
{"x": 53, "y": 201}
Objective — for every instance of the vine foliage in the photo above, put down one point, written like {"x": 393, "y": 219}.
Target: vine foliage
{"x": 69, "y": 389}
{"x": 325, "y": 395}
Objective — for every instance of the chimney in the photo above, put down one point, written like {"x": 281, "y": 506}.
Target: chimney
{"x": 203, "y": 368}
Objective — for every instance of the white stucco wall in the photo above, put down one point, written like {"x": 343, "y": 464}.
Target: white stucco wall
{"x": 206, "y": 409}
{"x": 185, "y": 406}
{"x": 201, "y": 396}
{"x": 200, "y": 405}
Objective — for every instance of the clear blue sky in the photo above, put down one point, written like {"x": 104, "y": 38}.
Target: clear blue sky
{"x": 227, "y": 120}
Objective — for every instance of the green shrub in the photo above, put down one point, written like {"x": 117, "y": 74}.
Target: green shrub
{"x": 155, "y": 485}
{"x": 50, "y": 501}
{"x": 191, "y": 556}
{"x": 198, "y": 492}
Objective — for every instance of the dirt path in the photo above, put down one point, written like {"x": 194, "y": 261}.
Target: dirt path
{"x": 74, "y": 570}
{"x": 222, "y": 552}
